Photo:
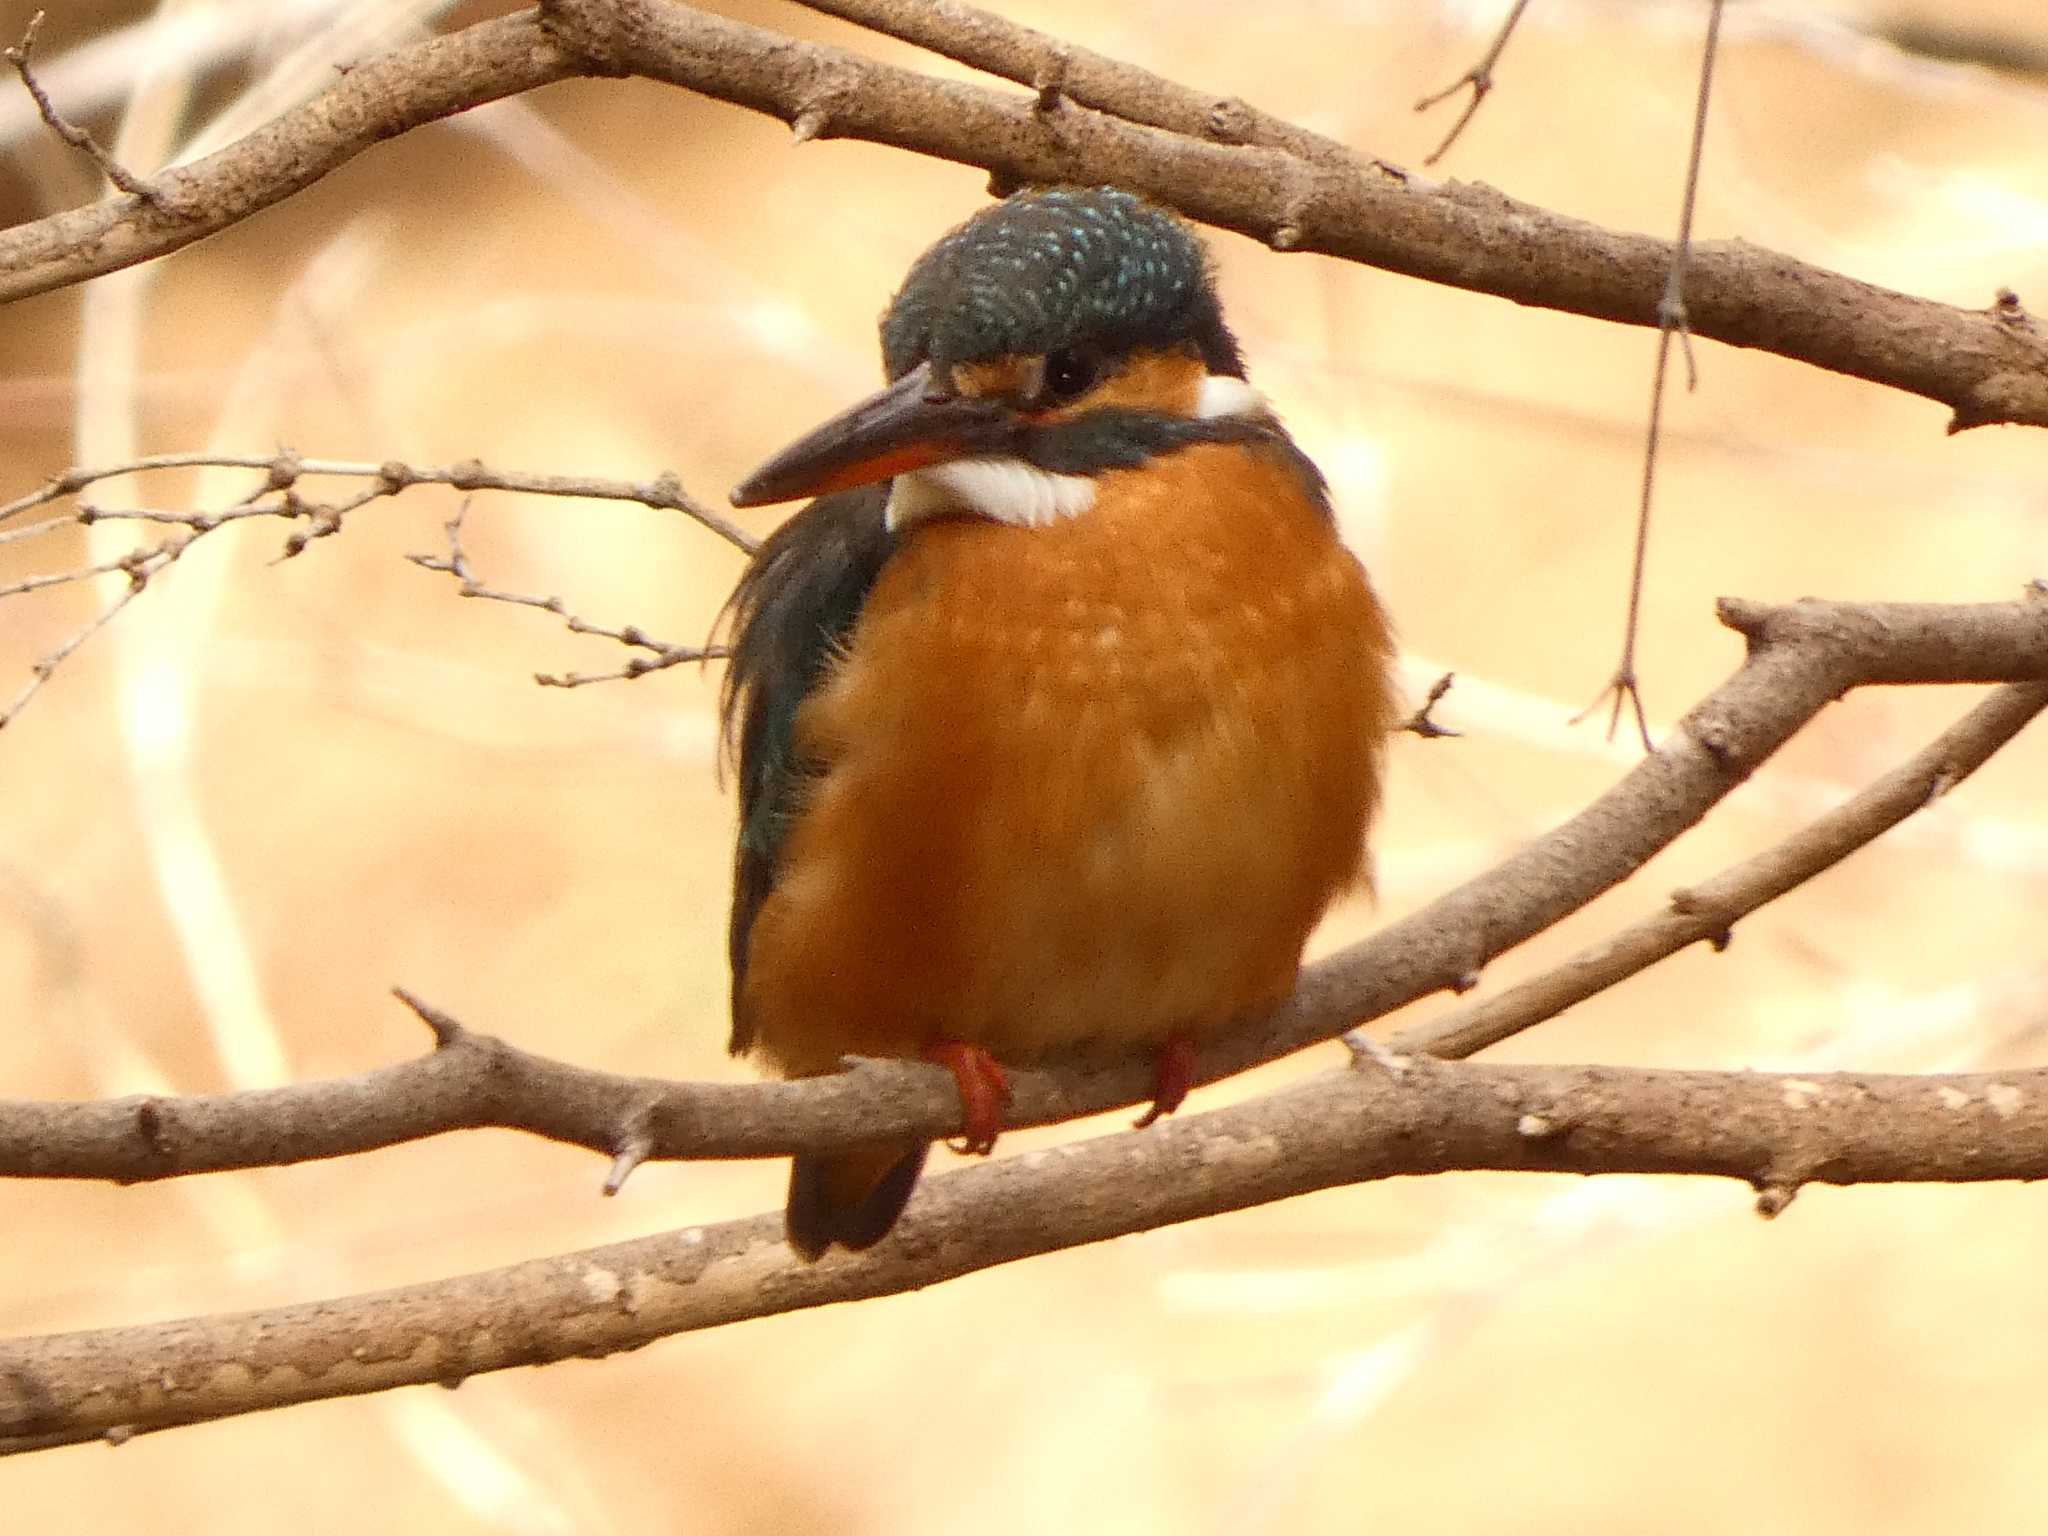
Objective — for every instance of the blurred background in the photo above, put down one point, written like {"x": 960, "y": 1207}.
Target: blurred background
{"x": 270, "y": 791}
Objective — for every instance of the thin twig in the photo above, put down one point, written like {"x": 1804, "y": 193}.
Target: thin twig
{"x": 47, "y": 664}
{"x": 1422, "y": 723}
{"x": 661, "y": 655}
{"x": 138, "y": 566}
{"x": 280, "y": 494}
{"x": 664, "y": 493}
{"x": 1625, "y": 687}
{"x": 29, "y": 531}
{"x": 115, "y": 172}
{"x": 1479, "y": 77}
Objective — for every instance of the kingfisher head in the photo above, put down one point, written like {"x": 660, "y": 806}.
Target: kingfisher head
{"x": 1049, "y": 339}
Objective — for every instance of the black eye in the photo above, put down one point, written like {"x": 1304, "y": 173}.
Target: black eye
{"x": 1068, "y": 373}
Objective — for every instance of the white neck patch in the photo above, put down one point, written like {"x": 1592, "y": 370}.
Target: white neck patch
{"x": 1002, "y": 490}
{"x": 1023, "y": 495}
{"x": 1221, "y": 395}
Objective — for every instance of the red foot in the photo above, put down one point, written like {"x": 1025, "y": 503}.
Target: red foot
{"x": 1173, "y": 1078}
{"x": 984, "y": 1091}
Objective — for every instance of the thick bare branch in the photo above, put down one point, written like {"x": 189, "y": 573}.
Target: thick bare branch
{"x": 1774, "y": 1132}
{"x": 1061, "y": 72}
{"x": 1986, "y": 366}
{"x": 378, "y": 99}
{"x": 1802, "y": 657}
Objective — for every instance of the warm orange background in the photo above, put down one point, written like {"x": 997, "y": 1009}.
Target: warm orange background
{"x": 272, "y": 791}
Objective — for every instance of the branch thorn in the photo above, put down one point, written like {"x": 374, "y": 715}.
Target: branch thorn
{"x": 1366, "y": 1051}
{"x": 447, "y": 1030}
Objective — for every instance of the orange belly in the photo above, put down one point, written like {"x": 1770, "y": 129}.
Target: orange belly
{"x": 1086, "y": 784}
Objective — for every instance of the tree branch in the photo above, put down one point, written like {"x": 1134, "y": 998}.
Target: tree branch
{"x": 284, "y": 470}
{"x": 20, "y": 56}
{"x": 1479, "y": 77}
{"x": 1802, "y": 657}
{"x": 1707, "y": 912}
{"x": 281, "y": 495}
{"x": 1773, "y": 1131}
{"x": 1061, "y": 72}
{"x": 650, "y": 654}
{"x": 1986, "y": 366}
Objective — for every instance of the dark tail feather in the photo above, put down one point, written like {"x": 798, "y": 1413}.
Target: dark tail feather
{"x": 850, "y": 1198}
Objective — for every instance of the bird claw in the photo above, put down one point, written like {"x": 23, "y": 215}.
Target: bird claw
{"x": 984, "y": 1093}
{"x": 1172, "y": 1078}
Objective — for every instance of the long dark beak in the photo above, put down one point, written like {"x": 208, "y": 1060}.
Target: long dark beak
{"x": 910, "y": 424}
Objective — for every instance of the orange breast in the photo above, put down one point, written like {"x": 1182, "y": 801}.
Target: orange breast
{"x": 1088, "y": 784}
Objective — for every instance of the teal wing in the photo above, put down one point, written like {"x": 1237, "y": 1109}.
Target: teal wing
{"x": 790, "y": 614}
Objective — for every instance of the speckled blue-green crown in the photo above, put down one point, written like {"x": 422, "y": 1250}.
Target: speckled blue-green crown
{"x": 1050, "y": 269}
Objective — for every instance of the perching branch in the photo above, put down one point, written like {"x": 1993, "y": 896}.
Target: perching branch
{"x": 1986, "y": 366}
{"x": 1802, "y": 657}
{"x": 1775, "y": 1132}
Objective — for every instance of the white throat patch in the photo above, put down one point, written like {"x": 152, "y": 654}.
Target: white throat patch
{"x": 1002, "y": 490}
{"x": 1023, "y": 495}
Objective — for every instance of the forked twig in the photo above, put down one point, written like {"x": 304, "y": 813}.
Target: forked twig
{"x": 1625, "y": 687}
{"x": 1422, "y": 723}
{"x": 1479, "y": 77}
{"x": 661, "y": 655}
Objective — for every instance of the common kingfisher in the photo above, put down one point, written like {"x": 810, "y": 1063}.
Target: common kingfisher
{"x": 1059, "y": 714}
